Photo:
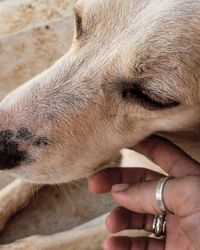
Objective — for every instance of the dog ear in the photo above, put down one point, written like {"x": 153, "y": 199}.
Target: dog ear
{"x": 78, "y": 25}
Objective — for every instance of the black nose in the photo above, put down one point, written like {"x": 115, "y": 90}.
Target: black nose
{"x": 10, "y": 154}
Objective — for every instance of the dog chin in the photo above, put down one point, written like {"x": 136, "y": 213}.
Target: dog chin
{"x": 40, "y": 178}
{"x": 45, "y": 180}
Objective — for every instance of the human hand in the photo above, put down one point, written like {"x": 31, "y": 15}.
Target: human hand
{"x": 134, "y": 189}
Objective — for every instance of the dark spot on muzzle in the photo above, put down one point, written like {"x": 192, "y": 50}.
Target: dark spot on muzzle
{"x": 41, "y": 142}
{"x": 10, "y": 154}
{"x": 6, "y": 135}
{"x": 24, "y": 134}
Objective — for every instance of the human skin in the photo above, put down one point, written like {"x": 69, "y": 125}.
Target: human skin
{"x": 134, "y": 190}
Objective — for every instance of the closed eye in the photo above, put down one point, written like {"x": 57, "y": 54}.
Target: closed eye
{"x": 147, "y": 99}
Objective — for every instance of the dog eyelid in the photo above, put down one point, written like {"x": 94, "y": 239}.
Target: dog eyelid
{"x": 144, "y": 96}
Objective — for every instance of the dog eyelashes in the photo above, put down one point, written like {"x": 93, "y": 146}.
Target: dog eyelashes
{"x": 148, "y": 100}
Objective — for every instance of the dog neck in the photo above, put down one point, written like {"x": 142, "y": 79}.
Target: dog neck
{"x": 188, "y": 141}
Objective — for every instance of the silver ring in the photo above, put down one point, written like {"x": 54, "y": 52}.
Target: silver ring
{"x": 159, "y": 195}
{"x": 159, "y": 225}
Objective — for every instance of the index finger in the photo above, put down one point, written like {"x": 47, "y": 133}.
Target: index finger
{"x": 168, "y": 156}
{"x": 103, "y": 181}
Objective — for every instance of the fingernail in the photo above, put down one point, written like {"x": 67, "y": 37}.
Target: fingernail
{"x": 120, "y": 187}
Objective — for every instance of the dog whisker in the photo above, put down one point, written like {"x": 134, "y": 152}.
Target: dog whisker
{"x": 66, "y": 193}
{"x": 78, "y": 186}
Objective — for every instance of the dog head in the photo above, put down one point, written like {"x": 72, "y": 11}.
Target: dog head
{"x": 133, "y": 70}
